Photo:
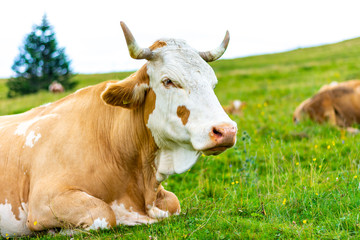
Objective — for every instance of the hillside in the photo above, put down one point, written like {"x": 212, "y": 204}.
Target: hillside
{"x": 281, "y": 180}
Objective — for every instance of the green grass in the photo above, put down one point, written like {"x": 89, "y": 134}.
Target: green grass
{"x": 281, "y": 180}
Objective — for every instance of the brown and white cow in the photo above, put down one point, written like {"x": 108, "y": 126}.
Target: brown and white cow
{"x": 96, "y": 158}
{"x": 235, "y": 107}
{"x": 337, "y": 103}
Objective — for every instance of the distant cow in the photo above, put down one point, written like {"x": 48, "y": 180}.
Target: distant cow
{"x": 235, "y": 108}
{"x": 337, "y": 103}
{"x": 97, "y": 157}
{"x": 56, "y": 87}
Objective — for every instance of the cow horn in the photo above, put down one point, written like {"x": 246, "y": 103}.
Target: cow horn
{"x": 216, "y": 53}
{"x": 135, "y": 51}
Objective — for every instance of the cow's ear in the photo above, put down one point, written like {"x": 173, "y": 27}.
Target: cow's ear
{"x": 128, "y": 93}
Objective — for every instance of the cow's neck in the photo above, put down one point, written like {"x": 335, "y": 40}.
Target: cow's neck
{"x": 169, "y": 161}
{"x": 134, "y": 147}
{"x": 133, "y": 141}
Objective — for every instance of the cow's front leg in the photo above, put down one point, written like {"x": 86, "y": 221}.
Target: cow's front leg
{"x": 72, "y": 208}
{"x": 162, "y": 204}
{"x": 167, "y": 201}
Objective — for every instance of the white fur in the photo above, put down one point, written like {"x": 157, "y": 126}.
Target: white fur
{"x": 157, "y": 213}
{"x": 99, "y": 224}
{"x": 139, "y": 90}
{"x": 176, "y": 160}
{"x": 334, "y": 83}
{"x": 32, "y": 138}
{"x": 46, "y": 104}
{"x": 129, "y": 217}
{"x": 237, "y": 104}
{"x": 23, "y": 127}
{"x": 79, "y": 90}
{"x": 9, "y": 225}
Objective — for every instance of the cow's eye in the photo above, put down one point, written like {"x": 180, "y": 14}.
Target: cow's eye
{"x": 168, "y": 83}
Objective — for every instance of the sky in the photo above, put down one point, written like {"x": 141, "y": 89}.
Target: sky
{"x": 91, "y": 34}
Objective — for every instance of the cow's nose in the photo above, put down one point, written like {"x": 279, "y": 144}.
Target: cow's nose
{"x": 223, "y": 135}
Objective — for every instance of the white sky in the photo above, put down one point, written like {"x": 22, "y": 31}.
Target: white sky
{"x": 91, "y": 34}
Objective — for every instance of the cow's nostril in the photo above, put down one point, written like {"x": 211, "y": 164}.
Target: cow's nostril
{"x": 217, "y": 133}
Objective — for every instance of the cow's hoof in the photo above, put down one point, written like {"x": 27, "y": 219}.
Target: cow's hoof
{"x": 157, "y": 213}
{"x": 353, "y": 130}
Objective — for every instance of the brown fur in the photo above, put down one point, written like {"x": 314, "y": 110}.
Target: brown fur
{"x": 122, "y": 93}
{"x": 157, "y": 44}
{"x": 339, "y": 105}
{"x": 183, "y": 113}
{"x": 90, "y": 147}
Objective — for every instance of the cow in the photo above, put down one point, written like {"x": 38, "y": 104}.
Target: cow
{"x": 96, "y": 158}
{"x": 235, "y": 107}
{"x": 56, "y": 87}
{"x": 337, "y": 103}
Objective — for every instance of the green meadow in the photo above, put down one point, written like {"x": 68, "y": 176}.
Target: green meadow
{"x": 281, "y": 180}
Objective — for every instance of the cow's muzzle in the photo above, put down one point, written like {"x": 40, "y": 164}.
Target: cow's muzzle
{"x": 222, "y": 137}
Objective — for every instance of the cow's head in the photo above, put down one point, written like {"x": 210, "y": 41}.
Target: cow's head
{"x": 187, "y": 118}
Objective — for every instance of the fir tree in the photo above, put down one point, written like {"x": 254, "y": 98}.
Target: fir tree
{"x": 39, "y": 63}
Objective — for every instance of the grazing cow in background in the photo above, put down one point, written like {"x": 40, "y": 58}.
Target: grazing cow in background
{"x": 235, "y": 108}
{"x": 56, "y": 87}
{"x": 337, "y": 103}
{"x": 97, "y": 157}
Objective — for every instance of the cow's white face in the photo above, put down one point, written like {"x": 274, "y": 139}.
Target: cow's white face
{"x": 186, "y": 107}
{"x": 187, "y": 119}
{"x": 188, "y": 116}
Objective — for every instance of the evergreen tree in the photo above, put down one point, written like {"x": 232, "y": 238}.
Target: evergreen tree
{"x": 39, "y": 63}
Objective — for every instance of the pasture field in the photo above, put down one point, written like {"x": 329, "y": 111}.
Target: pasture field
{"x": 280, "y": 181}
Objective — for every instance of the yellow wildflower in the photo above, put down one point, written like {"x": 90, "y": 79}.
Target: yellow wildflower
{"x": 236, "y": 182}
{"x": 328, "y": 147}
{"x": 297, "y": 163}
{"x": 35, "y": 223}
{"x": 232, "y": 183}
{"x": 315, "y": 146}
{"x": 333, "y": 143}
{"x": 304, "y": 221}
{"x": 314, "y": 159}
{"x": 284, "y": 201}
{"x": 316, "y": 194}
{"x": 320, "y": 166}
{"x": 355, "y": 176}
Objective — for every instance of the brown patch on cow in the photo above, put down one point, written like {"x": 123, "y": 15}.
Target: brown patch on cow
{"x": 149, "y": 104}
{"x": 128, "y": 93}
{"x": 157, "y": 44}
{"x": 183, "y": 113}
